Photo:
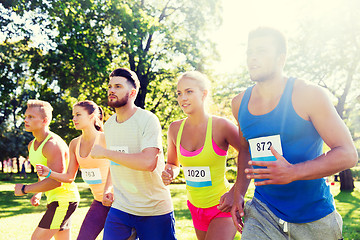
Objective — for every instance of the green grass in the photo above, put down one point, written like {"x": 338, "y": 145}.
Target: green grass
{"x": 356, "y": 172}
{"x": 18, "y": 218}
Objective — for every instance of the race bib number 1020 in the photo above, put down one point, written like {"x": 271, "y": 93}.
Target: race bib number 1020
{"x": 260, "y": 148}
{"x": 197, "y": 176}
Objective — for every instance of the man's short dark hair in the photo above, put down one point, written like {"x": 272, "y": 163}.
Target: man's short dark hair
{"x": 278, "y": 37}
{"x": 128, "y": 74}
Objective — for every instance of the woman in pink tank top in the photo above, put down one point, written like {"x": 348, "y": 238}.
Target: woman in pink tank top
{"x": 87, "y": 117}
{"x": 200, "y": 143}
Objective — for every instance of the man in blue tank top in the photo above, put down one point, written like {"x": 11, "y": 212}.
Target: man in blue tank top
{"x": 283, "y": 123}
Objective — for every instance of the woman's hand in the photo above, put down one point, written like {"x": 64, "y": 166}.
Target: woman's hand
{"x": 167, "y": 175}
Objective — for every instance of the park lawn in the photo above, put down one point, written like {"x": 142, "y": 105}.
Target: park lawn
{"x": 18, "y": 218}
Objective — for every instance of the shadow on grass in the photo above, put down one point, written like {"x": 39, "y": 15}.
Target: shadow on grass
{"x": 11, "y": 205}
{"x": 15, "y": 178}
{"x": 348, "y": 197}
{"x": 179, "y": 200}
{"x": 86, "y": 198}
{"x": 182, "y": 214}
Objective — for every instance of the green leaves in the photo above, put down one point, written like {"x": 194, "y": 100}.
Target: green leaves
{"x": 72, "y": 46}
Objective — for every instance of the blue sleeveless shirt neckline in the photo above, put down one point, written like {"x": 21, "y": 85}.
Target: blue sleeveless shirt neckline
{"x": 300, "y": 201}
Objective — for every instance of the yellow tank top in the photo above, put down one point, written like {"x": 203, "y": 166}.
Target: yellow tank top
{"x": 67, "y": 192}
{"x": 204, "y": 172}
{"x": 93, "y": 171}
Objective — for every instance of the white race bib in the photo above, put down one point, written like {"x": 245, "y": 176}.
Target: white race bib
{"x": 91, "y": 175}
{"x": 260, "y": 148}
{"x": 123, "y": 149}
{"x": 197, "y": 176}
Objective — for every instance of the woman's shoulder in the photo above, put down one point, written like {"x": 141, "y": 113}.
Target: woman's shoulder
{"x": 74, "y": 142}
{"x": 220, "y": 121}
{"x": 174, "y": 127}
{"x": 222, "y": 124}
{"x": 176, "y": 124}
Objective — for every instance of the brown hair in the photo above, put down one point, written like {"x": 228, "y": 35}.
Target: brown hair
{"x": 275, "y": 34}
{"x": 93, "y": 108}
{"x": 129, "y": 75}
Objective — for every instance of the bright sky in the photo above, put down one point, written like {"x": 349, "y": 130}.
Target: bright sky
{"x": 242, "y": 16}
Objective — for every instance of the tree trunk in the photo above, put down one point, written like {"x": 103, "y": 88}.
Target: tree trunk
{"x": 144, "y": 82}
{"x": 18, "y": 165}
{"x": 346, "y": 181}
{"x": 140, "y": 99}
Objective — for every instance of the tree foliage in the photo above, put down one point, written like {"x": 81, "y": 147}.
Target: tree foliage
{"x": 63, "y": 52}
{"x": 327, "y": 52}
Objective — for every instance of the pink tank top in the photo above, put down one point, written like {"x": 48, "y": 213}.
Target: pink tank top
{"x": 216, "y": 148}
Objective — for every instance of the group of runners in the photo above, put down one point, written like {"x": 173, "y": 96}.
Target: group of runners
{"x": 282, "y": 124}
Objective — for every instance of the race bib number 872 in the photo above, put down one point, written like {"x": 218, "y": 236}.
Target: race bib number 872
{"x": 260, "y": 148}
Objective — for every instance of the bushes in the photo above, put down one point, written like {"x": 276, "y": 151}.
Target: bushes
{"x": 356, "y": 173}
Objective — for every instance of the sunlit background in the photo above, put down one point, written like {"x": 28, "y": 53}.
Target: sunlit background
{"x": 69, "y": 51}
{"x": 323, "y": 47}
{"x": 240, "y": 17}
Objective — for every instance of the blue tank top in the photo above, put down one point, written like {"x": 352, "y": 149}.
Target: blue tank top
{"x": 300, "y": 201}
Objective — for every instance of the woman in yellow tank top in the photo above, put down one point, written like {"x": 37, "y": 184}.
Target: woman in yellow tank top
{"x": 200, "y": 143}
{"x": 87, "y": 117}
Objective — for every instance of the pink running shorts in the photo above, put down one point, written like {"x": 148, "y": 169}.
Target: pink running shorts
{"x": 203, "y": 216}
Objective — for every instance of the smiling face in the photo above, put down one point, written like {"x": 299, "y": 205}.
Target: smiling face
{"x": 82, "y": 118}
{"x": 34, "y": 119}
{"x": 189, "y": 95}
{"x": 263, "y": 59}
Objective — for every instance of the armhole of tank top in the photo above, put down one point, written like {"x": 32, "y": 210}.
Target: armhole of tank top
{"x": 41, "y": 146}
{"x": 32, "y": 145}
{"x": 218, "y": 150}
{"x": 246, "y": 97}
{"x": 178, "y": 136}
{"x": 213, "y": 144}
{"x": 44, "y": 142}
{"x": 209, "y": 131}
{"x": 285, "y": 101}
{"x": 292, "y": 79}
{"x": 287, "y": 94}
{"x": 77, "y": 147}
